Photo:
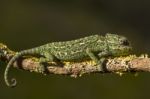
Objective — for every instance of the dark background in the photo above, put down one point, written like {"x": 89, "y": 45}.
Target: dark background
{"x": 29, "y": 23}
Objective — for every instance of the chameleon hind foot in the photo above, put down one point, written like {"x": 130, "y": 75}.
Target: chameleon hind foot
{"x": 41, "y": 68}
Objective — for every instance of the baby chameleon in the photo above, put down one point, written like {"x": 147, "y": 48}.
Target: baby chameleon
{"x": 94, "y": 47}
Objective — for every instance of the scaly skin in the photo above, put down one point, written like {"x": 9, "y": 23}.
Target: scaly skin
{"x": 93, "y": 47}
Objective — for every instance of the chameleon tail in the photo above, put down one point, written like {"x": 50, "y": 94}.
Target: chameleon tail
{"x": 13, "y": 81}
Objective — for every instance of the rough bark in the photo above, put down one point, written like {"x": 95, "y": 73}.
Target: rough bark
{"x": 130, "y": 63}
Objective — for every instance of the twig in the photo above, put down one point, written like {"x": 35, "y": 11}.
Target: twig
{"x": 119, "y": 65}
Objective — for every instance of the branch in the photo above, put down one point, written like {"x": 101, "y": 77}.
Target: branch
{"x": 130, "y": 63}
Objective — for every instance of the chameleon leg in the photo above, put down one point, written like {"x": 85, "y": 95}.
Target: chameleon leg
{"x": 97, "y": 60}
{"x": 102, "y": 56}
{"x": 92, "y": 56}
{"x": 47, "y": 58}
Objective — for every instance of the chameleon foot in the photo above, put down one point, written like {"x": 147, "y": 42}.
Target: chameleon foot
{"x": 41, "y": 68}
{"x": 101, "y": 63}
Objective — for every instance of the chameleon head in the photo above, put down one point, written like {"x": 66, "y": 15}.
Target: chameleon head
{"x": 118, "y": 45}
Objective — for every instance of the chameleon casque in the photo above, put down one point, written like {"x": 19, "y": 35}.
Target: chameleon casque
{"x": 94, "y": 47}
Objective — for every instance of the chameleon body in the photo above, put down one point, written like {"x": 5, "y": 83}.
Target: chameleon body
{"x": 94, "y": 47}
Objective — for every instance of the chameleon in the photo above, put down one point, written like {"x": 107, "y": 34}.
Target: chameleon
{"x": 93, "y": 47}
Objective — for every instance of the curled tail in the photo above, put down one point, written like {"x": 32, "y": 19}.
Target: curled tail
{"x": 13, "y": 82}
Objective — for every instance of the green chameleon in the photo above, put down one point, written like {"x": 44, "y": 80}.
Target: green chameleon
{"x": 94, "y": 47}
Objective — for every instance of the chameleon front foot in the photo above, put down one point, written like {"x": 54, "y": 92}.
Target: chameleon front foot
{"x": 101, "y": 64}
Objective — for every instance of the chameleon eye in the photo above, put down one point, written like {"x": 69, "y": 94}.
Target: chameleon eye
{"x": 125, "y": 42}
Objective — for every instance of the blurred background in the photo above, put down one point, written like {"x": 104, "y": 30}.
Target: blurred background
{"x": 29, "y": 23}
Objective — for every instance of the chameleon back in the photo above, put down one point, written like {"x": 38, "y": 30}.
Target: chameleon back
{"x": 76, "y": 49}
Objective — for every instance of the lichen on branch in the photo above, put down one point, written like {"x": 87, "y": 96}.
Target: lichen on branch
{"x": 130, "y": 63}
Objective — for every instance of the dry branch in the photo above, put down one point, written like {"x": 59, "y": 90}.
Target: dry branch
{"x": 113, "y": 65}
{"x": 129, "y": 63}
